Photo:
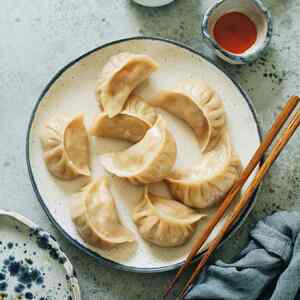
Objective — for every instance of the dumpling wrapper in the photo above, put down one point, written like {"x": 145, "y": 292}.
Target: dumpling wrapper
{"x": 165, "y": 222}
{"x": 208, "y": 182}
{"x": 149, "y": 160}
{"x": 199, "y": 106}
{"x": 96, "y": 219}
{"x": 66, "y": 147}
{"x": 119, "y": 77}
{"x": 131, "y": 124}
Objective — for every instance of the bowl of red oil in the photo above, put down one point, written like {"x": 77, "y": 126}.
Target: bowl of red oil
{"x": 238, "y": 31}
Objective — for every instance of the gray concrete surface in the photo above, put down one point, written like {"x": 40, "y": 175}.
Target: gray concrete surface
{"x": 38, "y": 37}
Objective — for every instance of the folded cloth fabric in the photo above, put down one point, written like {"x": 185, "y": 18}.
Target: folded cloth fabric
{"x": 269, "y": 265}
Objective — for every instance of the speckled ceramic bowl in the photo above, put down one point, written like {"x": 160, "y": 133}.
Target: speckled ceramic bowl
{"x": 256, "y": 11}
{"x": 32, "y": 264}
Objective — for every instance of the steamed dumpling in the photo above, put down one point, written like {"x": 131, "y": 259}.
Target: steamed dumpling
{"x": 95, "y": 216}
{"x": 208, "y": 182}
{"x": 165, "y": 222}
{"x": 119, "y": 77}
{"x": 131, "y": 124}
{"x": 66, "y": 147}
{"x": 149, "y": 160}
{"x": 199, "y": 106}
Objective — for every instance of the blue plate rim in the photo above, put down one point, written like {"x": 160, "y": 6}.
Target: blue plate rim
{"x": 67, "y": 265}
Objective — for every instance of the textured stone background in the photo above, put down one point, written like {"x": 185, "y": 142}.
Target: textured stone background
{"x": 38, "y": 37}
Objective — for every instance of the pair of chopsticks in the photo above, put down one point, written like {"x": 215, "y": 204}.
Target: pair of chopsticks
{"x": 245, "y": 198}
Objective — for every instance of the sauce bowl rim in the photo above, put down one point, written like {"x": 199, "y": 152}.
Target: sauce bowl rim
{"x": 239, "y": 58}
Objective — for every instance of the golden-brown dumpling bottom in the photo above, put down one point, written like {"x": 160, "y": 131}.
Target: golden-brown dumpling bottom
{"x": 66, "y": 147}
{"x": 165, "y": 222}
{"x": 131, "y": 124}
{"x": 119, "y": 77}
{"x": 95, "y": 215}
{"x": 208, "y": 182}
{"x": 147, "y": 161}
{"x": 196, "y": 103}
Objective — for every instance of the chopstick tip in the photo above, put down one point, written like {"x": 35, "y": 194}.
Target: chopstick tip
{"x": 172, "y": 284}
{"x": 168, "y": 290}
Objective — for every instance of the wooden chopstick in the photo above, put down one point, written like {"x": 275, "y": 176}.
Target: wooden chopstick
{"x": 268, "y": 139}
{"x": 279, "y": 145}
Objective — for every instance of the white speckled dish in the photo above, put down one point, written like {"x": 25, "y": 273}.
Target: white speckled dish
{"x": 32, "y": 265}
{"x": 73, "y": 90}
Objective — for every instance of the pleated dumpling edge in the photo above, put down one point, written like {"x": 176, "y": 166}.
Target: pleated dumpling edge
{"x": 150, "y": 160}
{"x": 131, "y": 124}
{"x": 66, "y": 147}
{"x": 207, "y": 183}
{"x": 196, "y": 103}
{"x": 165, "y": 222}
{"x": 95, "y": 216}
{"x": 119, "y": 77}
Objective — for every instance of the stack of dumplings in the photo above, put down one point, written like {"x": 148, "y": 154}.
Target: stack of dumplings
{"x": 130, "y": 125}
{"x": 150, "y": 159}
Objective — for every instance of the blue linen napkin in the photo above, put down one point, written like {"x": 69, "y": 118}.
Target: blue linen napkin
{"x": 268, "y": 268}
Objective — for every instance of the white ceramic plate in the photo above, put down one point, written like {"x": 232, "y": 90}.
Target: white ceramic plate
{"x": 73, "y": 90}
{"x": 32, "y": 265}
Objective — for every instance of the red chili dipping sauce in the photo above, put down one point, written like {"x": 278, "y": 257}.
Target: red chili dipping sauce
{"x": 235, "y": 32}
